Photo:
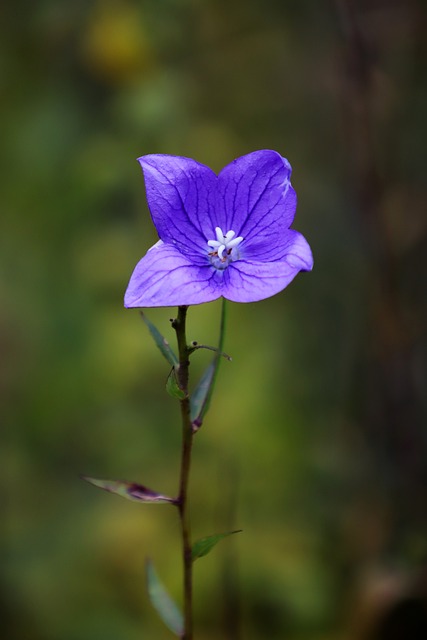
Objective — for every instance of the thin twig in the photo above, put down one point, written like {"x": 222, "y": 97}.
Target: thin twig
{"x": 187, "y": 440}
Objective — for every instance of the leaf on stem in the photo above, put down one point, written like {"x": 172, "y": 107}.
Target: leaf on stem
{"x": 203, "y": 546}
{"x": 195, "y": 346}
{"x": 172, "y": 386}
{"x": 130, "y": 490}
{"x": 201, "y": 396}
{"x": 163, "y": 603}
{"x": 199, "y": 401}
{"x": 161, "y": 342}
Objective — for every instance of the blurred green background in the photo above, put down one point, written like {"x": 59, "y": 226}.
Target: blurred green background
{"x": 316, "y": 441}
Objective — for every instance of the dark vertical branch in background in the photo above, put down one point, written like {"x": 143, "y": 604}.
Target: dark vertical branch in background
{"x": 391, "y": 406}
{"x": 230, "y": 588}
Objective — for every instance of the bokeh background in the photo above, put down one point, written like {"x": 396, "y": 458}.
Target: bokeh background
{"x": 316, "y": 442}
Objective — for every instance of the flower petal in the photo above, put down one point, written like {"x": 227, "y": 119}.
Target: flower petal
{"x": 252, "y": 280}
{"x": 289, "y": 243}
{"x": 181, "y": 197}
{"x": 255, "y": 197}
{"x": 164, "y": 277}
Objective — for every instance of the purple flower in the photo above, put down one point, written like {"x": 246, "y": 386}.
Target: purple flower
{"x": 225, "y": 235}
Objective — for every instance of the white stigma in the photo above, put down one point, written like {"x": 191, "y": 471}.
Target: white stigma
{"x": 223, "y": 247}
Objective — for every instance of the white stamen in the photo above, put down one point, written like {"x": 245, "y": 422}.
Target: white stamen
{"x": 235, "y": 242}
{"x": 221, "y": 251}
{"x": 228, "y": 236}
{"x": 223, "y": 246}
{"x": 219, "y": 235}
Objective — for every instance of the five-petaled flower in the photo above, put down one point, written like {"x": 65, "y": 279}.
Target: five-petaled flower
{"x": 220, "y": 235}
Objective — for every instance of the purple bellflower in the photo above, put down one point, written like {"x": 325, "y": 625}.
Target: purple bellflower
{"x": 220, "y": 235}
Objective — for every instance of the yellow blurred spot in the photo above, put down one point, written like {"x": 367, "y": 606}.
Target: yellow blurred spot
{"x": 114, "y": 46}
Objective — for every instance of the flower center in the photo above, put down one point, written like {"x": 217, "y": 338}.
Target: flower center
{"x": 224, "y": 248}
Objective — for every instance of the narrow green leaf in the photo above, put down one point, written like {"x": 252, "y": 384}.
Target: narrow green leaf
{"x": 163, "y": 603}
{"x": 203, "y": 546}
{"x": 172, "y": 386}
{"x": 201, "y": 396}
{"x": 195, "y": 346}
{"x": 161, "y": 342}
{"x": 130, "y": 490}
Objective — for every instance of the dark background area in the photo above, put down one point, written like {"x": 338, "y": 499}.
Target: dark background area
{"x": 316, "y": 442}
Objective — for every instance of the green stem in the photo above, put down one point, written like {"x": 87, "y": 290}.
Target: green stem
{"x": 187, "y": 442}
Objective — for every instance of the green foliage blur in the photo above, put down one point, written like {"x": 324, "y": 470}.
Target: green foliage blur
{"x": 315, "y": 444}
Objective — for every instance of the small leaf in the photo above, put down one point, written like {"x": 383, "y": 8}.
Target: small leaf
{"x": 201, "y": 396}
{"x": 172, "y": 386}
{"x": 163, "y": 603}
{"x": 195, "y": 346}
{"x": 130, "y": 490}
{"x": 203, "y": 546}
{"x": 161, "y": 342}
